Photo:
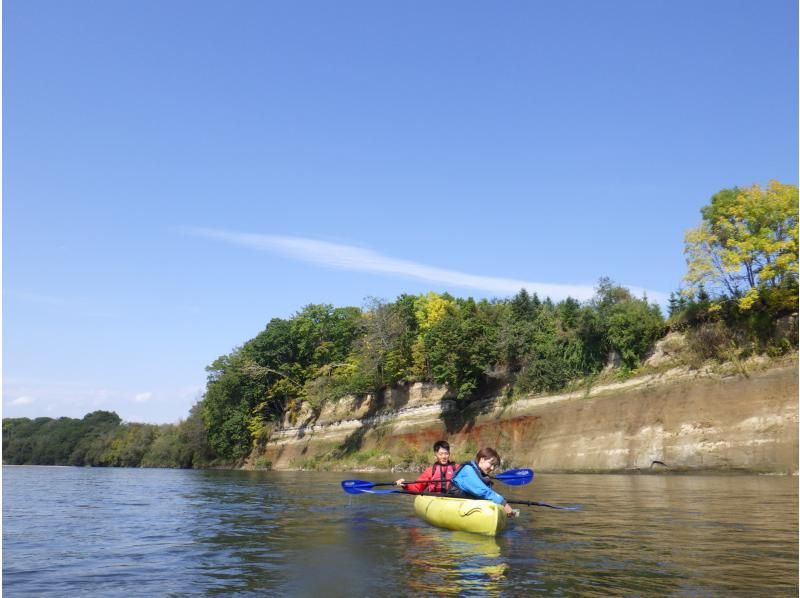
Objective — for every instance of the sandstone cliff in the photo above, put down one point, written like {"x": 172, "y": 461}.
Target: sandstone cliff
{"x": 678, "y": 419}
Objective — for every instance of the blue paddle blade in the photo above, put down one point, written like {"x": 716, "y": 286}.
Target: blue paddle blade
{"x": 356, "y": 486}
{"x": 515, "y": 477}
{"x": 356, "y": 489}
{"x": 363, "y": 486}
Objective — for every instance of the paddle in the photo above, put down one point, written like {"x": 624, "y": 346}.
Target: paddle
{"x": 529, "y": 503}
{"x": 533, "y": 503}
{"x": 515, "y": 477}
{"x": 512, "y": 477}
{"x": 357, "y": 490}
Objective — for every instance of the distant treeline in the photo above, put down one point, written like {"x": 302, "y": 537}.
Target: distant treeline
{"x": 743, "y": 283}
{"x": 100, "y": 439}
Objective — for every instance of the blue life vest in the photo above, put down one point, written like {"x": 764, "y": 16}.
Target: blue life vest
{"x": 457, "y": 492}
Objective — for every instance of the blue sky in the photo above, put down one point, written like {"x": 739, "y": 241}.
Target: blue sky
{"x": 177, "y": 173}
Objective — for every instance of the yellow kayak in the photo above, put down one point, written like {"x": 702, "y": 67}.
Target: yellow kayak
{"x": 462, "y": 514}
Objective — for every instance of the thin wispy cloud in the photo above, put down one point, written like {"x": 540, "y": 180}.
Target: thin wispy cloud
{"x": 359, "y": 259}
{"x": 143, "y": 397}
{"x": 63, "y": 393}
{"x": 30, "y": 397}
{"x": 24, "y": 400}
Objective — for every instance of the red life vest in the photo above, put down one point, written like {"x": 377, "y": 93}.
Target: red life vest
{"x": 440, "y": 477}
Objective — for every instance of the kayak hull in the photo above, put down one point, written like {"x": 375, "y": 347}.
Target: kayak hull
{"x": 462, "y": 514}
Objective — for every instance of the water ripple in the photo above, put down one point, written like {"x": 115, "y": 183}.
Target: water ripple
{"x": 104, "y": 532}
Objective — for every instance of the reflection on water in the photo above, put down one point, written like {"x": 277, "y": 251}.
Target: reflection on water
{"x": 453, "y": 563}
{"x": 104, "y": 532}
{"x": 668, "y": 535}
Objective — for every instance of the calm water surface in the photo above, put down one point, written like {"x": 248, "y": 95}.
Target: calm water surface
{"x": 147, "y": 532}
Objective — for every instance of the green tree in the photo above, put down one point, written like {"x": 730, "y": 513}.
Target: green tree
{"x": 193, "y": 439}
{"x": 20, "y": 439}
{"x": 129, "y": 445}
{"x": 96, "y": 437}
{"x": 460, "y": 345}
{"x": 325, "y": 334}
{"x": 633, "y": 327}
{"x": 383, "y": 326}
{"x": 525, "y": 307}
{"x": 516, "y": 324}
{"x": 226, "y": 414}
{"x": 399, "y": 362}
{"x": 628, "y": 325}
{"x": 165, "y": 449}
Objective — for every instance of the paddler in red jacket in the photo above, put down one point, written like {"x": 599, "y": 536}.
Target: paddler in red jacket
{"x": 435, "y": 478}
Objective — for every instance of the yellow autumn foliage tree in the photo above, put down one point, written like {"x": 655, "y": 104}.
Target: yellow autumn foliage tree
{"x": 428, "y": 310}
{"x": 746, "y": 247}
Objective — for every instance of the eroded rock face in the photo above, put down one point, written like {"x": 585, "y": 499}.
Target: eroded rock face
{"x": 667, "y": 350}
{"x": 678, "y": 419}
{"x": 786, "y": 328}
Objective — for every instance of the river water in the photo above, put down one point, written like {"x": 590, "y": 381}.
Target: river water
{"x": 149, "y": 532}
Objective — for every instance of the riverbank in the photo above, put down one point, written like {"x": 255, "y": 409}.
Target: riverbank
{"x": 740, "y": 417}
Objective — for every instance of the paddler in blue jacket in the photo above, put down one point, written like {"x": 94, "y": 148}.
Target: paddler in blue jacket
{"x": 472, "y": 479}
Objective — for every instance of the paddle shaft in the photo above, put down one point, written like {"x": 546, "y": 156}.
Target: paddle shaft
{"x": 533, "y": 503}
{"x": 403, "y": 484}
{"x": 529, "y": 503}
{"x": 507, "y": 477}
